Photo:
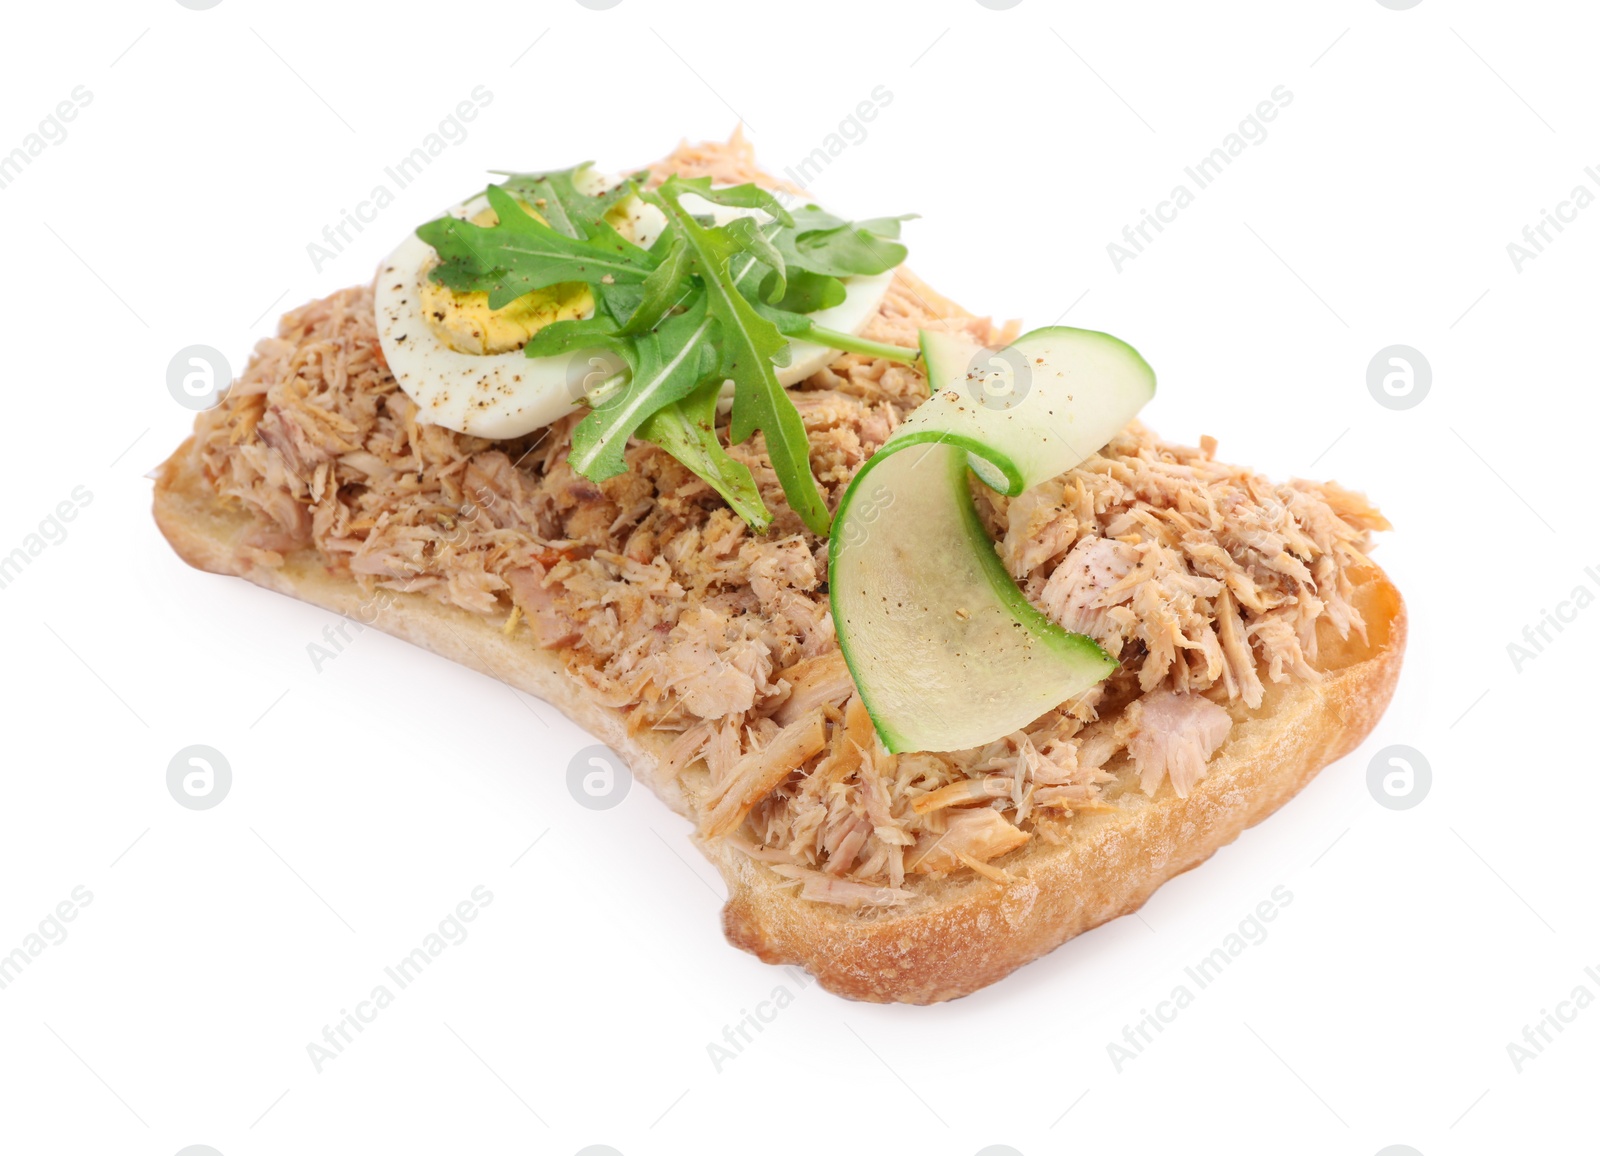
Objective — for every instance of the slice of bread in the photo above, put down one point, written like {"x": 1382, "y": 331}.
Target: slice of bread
{"x": 961, "y": 932}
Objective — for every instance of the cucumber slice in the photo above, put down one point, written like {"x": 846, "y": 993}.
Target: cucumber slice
{"x": 945, "y": 650}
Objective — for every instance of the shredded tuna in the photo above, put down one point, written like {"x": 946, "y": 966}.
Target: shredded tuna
{"x": 963, "y": 791}
{"x": 828, "y": 889}
{"x": 1173, "y": 737}
{"x": 1206, "y": 581}
{"x": 540, "y": 607}
{"x": 819, "y": 681}
{"x": 1086, "y": 584}
{"x": 977, "y": 834}
{"x": 755, "y": 775}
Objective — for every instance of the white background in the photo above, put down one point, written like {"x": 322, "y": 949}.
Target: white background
{"x": 370, "y": 798}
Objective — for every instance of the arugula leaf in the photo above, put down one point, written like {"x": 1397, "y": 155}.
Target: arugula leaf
{"x": 826, "y": 244}
{"x": 620, "y": 302}
{"x": 561, "y": 337}
{"x": 705, "y": 303}
{"x": 521, "y": 254}
{"x": 786, "y": 322}
{"x": 843, "y": 252}
{"x": 665, "y": 365}
{"x": 541, "y": 193}
{"x": 749, "y": 236}
{"x": 555, "y": 197}
{"x": 668, "y": 284}
{"x": 852, "y": 343}
{"x": 811, "y": 218}
{"x": 748, "y": 343}
{"x": 885, "y": 226}
{"x": 687, "y": 430}
{"x": 741, "y": 268}
{"x": 745, "y": 196}
{"x": 806, "y": 292}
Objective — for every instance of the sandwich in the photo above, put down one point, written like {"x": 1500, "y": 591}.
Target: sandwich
{"x": 945, "y": 656}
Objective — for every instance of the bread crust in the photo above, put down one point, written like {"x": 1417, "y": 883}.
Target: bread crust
{"x": 970, "y": 932}
{"x": 960, "y": 933}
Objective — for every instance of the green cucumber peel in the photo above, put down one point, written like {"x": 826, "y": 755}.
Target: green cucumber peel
{"x": 945, "y": 650}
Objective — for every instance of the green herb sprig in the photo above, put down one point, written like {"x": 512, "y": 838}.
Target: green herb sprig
{"x": 705, "y": 304}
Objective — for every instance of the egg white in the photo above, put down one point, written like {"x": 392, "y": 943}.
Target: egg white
{"x": 506, "y": 395}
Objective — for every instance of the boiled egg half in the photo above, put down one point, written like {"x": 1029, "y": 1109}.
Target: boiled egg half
{"x": 463, "y": 364}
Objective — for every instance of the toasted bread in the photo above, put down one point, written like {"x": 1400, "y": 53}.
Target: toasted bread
{"x": 960, "y": 932}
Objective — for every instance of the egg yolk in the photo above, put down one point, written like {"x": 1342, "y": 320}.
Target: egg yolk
{"x": 465, "y": 323}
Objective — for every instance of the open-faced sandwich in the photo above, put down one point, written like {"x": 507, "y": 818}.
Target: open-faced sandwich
{"x": 946, "y": 656}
